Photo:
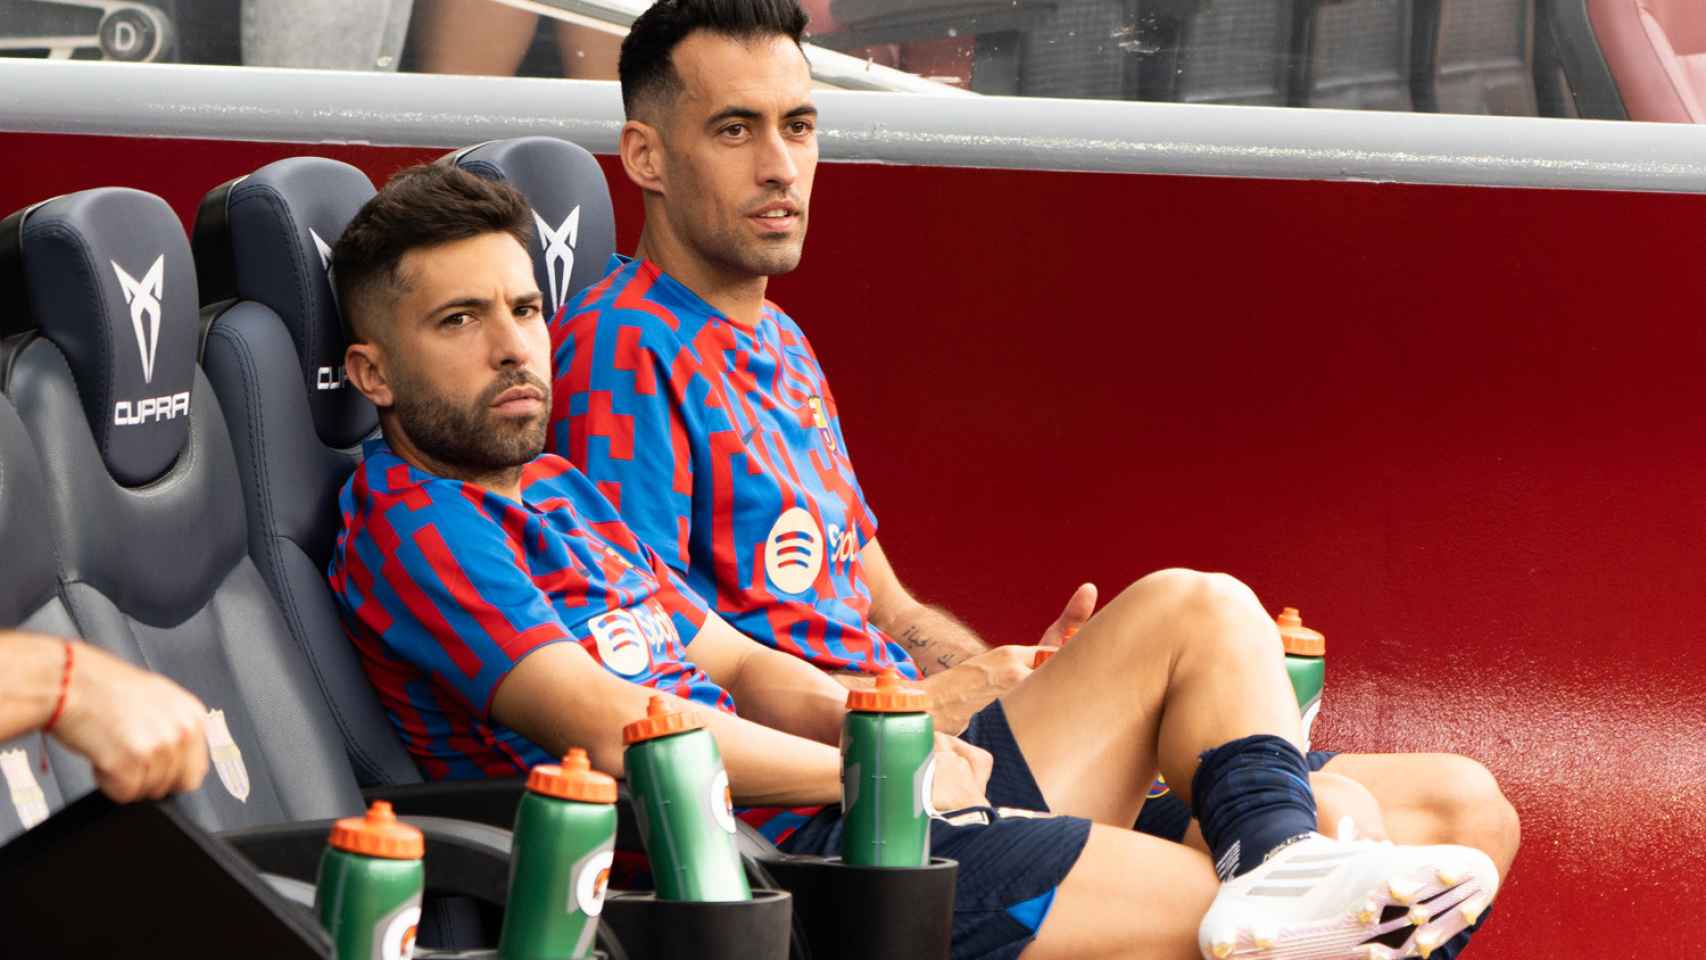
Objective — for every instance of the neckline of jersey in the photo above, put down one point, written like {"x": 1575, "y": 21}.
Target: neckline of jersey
{"x": 376, "y": 447}
{"x": 686, "y": 296}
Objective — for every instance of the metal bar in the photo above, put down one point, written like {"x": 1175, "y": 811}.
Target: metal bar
{"x": 306, "y": 106}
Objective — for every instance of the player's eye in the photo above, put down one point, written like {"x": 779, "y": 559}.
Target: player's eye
{"x": 455, "y": 320}
{"x": 800, "y": 128}
{"x": 734, "y": 131}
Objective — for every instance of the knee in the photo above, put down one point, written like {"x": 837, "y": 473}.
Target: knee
{"x": 1217, "y": 607}
{"x": 1472, "y": 810}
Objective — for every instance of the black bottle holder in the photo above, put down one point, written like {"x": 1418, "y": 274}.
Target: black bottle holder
{"x": 902, "y": 911}
{"x": 653, "y": 929}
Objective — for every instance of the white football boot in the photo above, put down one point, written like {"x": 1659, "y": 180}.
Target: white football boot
{"x": 1345, "y": 899}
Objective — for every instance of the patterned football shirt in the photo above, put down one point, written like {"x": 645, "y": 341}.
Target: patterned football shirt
{"x": 721, "y": 445}
{"x": 444, "y": 587}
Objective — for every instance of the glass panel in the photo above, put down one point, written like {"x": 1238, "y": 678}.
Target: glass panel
{"x": 1510, "y": 57}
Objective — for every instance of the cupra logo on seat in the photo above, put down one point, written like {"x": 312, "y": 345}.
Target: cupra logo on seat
{"x": 559, "y": 247}
{"x": 144, "y": 298}
{"x": 329, "y": 377}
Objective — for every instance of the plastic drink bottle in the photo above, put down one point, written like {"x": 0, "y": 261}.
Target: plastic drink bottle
{"x": 1306, "y": 664}
{"x": 565, "y": 838}
{"x": 682, "y": 802}
{"x": 368, "y": 893}
{"x": 888, "y": 743}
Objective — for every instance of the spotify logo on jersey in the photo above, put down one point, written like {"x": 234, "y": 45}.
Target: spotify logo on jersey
{"x": 793, "y": 553}
{"x": 621, "y": 644}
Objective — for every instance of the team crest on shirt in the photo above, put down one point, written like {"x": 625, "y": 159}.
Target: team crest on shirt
{"x": 793, "y": 552}
{"x": 821, "y": 422}
{"x": 622, "y": 644}
{"x": 27, "y": 796}
{"x": 227, "y": 758}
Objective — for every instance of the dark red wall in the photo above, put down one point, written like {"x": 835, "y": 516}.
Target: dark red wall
{"x": 1460, "y": 428}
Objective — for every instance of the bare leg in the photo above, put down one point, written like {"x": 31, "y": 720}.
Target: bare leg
{"x": 588, "y": 54}
{"x": 1438, "y": 798}
{"x": 471, "y": 37}
{"x": 1178, "y": 663}
{"x": 1128, "y": 896}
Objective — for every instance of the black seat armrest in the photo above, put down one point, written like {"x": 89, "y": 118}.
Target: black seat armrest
{"x": 462, "y": 858}
{"x": 296, "y": 891}
{"x": 491, "y": 802}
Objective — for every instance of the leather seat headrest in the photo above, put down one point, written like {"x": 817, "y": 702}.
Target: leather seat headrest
{"x": 108, "y": 278}
{"x": 576, "y": 230}
{"x": 268, "y": 238}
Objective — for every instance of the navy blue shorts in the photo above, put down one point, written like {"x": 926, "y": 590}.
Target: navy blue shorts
{"x": 1009, "y": 866}
{"x": 1167, "y": 816}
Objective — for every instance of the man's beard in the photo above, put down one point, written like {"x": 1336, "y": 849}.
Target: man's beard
{"x": 473, "y": 441}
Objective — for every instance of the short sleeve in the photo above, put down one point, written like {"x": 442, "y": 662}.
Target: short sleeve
{"x": 451, "y": 597}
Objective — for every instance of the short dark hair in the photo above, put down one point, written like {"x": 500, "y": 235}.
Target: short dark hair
{"x": 421, "y": 206}
{"x": 646, "y": 67}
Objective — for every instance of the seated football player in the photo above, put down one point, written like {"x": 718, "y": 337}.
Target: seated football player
{"x": 701, "y": 410}
{"x": 493, "y": 595}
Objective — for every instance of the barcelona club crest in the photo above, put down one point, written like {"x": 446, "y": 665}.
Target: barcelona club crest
{"x": 821, "y": 422}
{"x": 27, "y": 796}
{"x": 1159, "y": 788}
{"x": 227, "y": 759}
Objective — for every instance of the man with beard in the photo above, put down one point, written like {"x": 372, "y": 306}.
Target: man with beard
{"x": 701, "y": 410}
{"x": 493, "y": 595}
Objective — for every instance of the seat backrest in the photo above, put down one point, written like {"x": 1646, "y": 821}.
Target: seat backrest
{"x": 576, "y": 230}
{"x": 1238, "y": 51}
{"x": 29, "y": 599}
{"x": 1476, "y": 56}
{"x": 1358, "y": 54}
{"x": 145, "y": 503}
{"x": 274, "y": 356}
{"x": 1656, "y": 50}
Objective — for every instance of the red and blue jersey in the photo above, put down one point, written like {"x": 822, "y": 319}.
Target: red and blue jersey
{"x": 444, "y": 587}
{"x": 721, "y": 445}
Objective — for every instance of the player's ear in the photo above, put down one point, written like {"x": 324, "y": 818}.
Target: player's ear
{"x": 641, "y": 149}
{"x": 364, "y": 365}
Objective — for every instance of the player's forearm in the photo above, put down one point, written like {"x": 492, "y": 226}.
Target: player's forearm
{"x": 770, "y": 768}
{"x": 29, "y": 686}
{"x": 786, "y": 693}
{"x": 933, "y": 637}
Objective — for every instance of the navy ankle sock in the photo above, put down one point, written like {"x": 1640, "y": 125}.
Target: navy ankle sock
{"x": 1251, "y": 796}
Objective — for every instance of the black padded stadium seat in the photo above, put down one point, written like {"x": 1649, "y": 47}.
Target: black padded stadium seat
{"x": 29, "y": 598}
{"x": 1358, "y": 54}
{"x": 274, "y": 356}
{"x": 1476, "y": 56}
{"x": 1237, "y": 51}
{"x": 574, "y": 226}
{"x": 146, "y": 506}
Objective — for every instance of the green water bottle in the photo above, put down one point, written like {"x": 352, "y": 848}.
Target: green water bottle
{"x": 368, "y": 894}
{"x": 565, "y": 838}
{"x": 888, "y": 756}
{"x": 683, "y": 805}
{"x": 1306, "y": 664}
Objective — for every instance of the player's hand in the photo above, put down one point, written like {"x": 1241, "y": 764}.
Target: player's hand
{"x": 962, "y": 775}
{"x": 1079, "y": 608}
{"x": 143, "y": 734}
{"x": 958, "y": 693}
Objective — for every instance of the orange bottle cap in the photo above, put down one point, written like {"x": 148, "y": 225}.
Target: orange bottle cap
{"x": 889, "y": 697}
{"x": 662, "y": 719}
{"x": 574, "y": 779}
{"x": 1297, "y": 638}
{"x": 379, "y": 834}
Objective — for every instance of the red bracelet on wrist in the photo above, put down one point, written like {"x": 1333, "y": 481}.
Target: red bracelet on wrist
{"x": 64, "y": 688}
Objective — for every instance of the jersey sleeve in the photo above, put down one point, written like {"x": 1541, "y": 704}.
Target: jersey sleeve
{"x": 452, "y": 598}
{"x": 624, "y": 386}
